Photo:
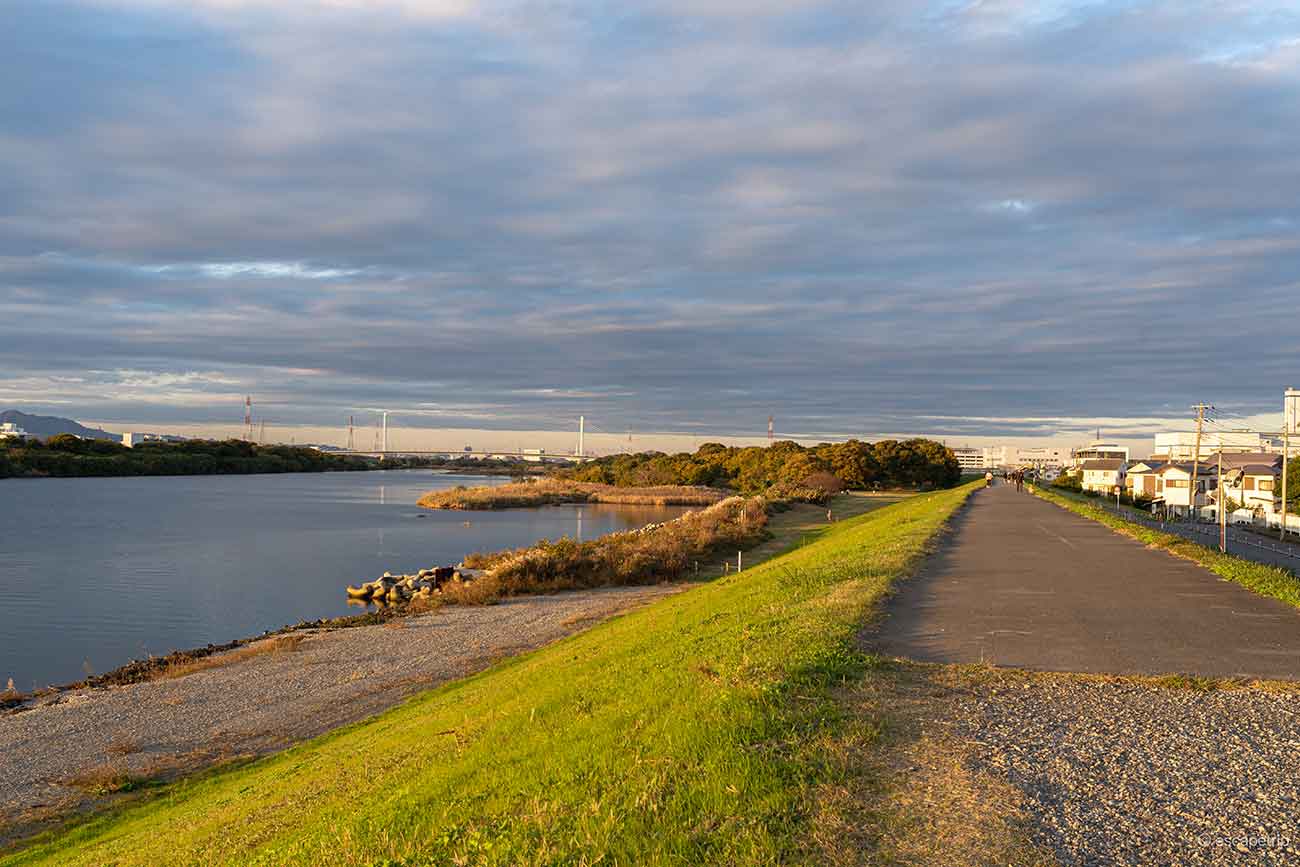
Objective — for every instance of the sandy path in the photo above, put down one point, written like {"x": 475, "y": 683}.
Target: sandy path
{"x": 269, "y": 701}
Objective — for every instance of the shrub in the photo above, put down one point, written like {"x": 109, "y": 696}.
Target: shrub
{"x": 658, "y": 553}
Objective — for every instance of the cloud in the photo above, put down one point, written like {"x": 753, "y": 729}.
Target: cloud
{"x": 889, "y": 217}
{"x": 433, "y": 10}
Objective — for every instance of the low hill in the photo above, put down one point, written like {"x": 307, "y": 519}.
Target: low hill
{"x": 49, "y": 425}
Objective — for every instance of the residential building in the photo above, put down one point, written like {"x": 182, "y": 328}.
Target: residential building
{"x": 1142, "y": 479}
{"x": 1252, "y": 479}
{"x": 535, "y": 456}
{"x": 1176, "y": 490}
{"x": 1102, "y": 475}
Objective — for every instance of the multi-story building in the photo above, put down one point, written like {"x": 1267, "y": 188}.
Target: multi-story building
{"x": 1040, "y": 458}
{"x": 969, "y": 458}
{"x": 1098, "y": 450}
{"x": 979, "y": 458}
{"x": 1180, "y": 446}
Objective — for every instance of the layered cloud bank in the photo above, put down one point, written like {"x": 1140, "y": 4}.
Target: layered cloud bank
{"x": 960, "y": 218}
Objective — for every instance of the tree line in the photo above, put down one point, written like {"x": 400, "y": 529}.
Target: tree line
{"x": 783, "y": 467}
{"x": 67, "y": 455}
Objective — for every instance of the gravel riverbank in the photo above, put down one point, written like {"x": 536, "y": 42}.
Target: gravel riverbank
{"x": 58, "y": 750}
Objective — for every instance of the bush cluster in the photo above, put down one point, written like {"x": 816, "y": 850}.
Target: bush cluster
{"x": 66, "y": 455}
{"x": 658, "y": 553}
{"x": 809, "y": 473}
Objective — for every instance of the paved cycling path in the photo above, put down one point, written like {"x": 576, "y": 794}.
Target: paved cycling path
{"x": 1024, "y": 583}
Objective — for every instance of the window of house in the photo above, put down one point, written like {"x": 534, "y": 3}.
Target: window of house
{"x": 1249, "y": 484}
{"x": 1266, "y": 484}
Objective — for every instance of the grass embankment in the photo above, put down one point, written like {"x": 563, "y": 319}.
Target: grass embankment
{"x": 1257, "y": 577}
{"x": 697, "y": 730}
{"x": 554, "y": 492}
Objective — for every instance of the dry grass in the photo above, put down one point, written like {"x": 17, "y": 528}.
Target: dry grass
{"x": 978, "y": 674}
{"x": 279, "y": 644}
{"x": 123, "y": 745}
{"x": 550, "y": 492}
{"x": 666, "y": 552}
{"x": 908, "y": 794}
{"x": 105, "y": 779}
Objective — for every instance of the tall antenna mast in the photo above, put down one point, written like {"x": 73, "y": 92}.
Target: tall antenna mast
{"x": 385, "y": 430}
{"x": 248, "y": 418}
{"x": 771, "y": 430}
{"x": 350, "y": 436}
{"x": 582, "y": 427}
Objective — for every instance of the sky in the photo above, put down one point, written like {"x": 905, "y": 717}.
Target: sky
{"x": 978, "y": 221}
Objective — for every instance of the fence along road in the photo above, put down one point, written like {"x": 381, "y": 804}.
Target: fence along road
{"x": 1024, "y": 583}
{"x": 1260, "y": 546}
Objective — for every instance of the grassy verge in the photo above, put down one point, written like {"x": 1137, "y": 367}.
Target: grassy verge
{"x": 1257, "y": 577}
{"x": 554, "y": 492}
{"x": 693, "y": 731}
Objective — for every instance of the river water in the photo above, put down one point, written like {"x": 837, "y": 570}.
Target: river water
{"x": 96, "y": 572}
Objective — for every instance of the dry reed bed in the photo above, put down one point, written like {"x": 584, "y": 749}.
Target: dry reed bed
{"x": 651, "y": 555}
{"x": 553, "y": 492}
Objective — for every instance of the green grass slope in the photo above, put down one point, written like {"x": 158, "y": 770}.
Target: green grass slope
{"x": 688, "y": 732}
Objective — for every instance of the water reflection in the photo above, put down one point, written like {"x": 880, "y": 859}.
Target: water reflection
{"x": 105, "y": 570}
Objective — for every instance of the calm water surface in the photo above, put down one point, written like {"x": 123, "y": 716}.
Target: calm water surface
{"x": 96, "y": 572}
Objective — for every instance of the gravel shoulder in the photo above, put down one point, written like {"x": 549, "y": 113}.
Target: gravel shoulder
{"x": 1078, "y": 769}
{"x": 262, "y": 703}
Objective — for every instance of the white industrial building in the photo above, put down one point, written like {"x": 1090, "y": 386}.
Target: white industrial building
{"x": 9, "y": 431}
{"x": 980, "y": 458}
{"x": 1180, "y": 445}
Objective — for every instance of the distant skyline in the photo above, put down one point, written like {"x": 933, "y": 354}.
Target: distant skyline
{"x": 996, "y": 221}
{"x": 602, "y": 442}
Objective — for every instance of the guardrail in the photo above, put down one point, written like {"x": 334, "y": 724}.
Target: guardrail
{"x": 1185, "y": 528}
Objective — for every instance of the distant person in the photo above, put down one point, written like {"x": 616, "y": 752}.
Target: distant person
{"x": 988, "y": 479}
{"x": 829, "y": 519}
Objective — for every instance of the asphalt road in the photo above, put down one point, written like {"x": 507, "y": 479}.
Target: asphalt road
{"x": 1024, "y": 583}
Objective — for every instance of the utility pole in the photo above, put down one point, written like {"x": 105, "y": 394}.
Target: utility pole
{"x": 1222, "y": 510}
{"x": 1287, "y": 423}
{"x": 1196, "y": 458}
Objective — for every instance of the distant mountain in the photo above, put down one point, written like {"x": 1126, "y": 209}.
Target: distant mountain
{"x": 48, "y": 425}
